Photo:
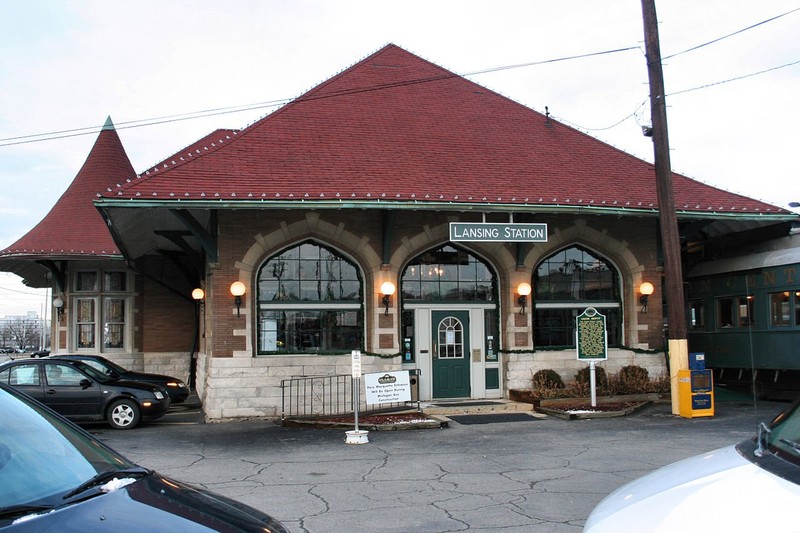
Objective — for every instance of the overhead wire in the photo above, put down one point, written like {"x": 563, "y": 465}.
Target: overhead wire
{"x": 757, "y": 24}
{"x": 744, "y": 76}
{"x": 153, "y": 121}
{"x": 76, "y": 132}
{"x": 691, "y": 49}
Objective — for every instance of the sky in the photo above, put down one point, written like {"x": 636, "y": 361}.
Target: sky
{"x": 169, "y": 72}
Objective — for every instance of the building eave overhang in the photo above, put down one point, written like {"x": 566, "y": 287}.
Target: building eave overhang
{"x": 456, "y": 206}
{"x": 40, "y": 255}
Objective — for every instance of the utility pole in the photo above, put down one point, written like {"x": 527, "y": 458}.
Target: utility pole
{"x": 678, "y": 345}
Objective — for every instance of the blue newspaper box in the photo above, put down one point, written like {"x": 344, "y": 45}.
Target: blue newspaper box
{"x": 697, "y": 361}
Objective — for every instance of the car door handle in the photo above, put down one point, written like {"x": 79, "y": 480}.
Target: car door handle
{"x": 51, "y": 391}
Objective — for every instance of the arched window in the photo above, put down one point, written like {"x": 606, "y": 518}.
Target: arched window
{"x": 448, "y": 274}
{"x": 309, "y": 301}
{"x": 451, "y": 339}
{"x": 565, "y": 284}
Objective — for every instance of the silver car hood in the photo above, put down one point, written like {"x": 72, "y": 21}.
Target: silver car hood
{"x": 715, "y": 491}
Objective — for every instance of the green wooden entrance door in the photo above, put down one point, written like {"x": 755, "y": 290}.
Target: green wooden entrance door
{"x": 450, "y": 332}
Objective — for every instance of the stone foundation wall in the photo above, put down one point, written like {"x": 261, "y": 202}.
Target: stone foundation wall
{"x": 168, "y": 364}
{"x": 250, "y": 387}
{"x": 521, "y": 367}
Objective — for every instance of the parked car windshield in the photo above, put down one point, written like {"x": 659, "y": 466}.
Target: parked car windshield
{"x": 784, "y": 434}
{"x": 42, "y": 458}
{"x": 102, "y": 363}
{"x": 93, "y": 373}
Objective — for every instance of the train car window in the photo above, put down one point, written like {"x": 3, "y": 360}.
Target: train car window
{"x": 797, "y": 308}
{"x": 697, "y": 318}
{"x": 744, "y": 310}
{"x": 779, "y": 312}
{"x": 725, "y": 313}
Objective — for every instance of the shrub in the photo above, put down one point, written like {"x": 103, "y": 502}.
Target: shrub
{"x": 547, "y": 379}
{"x": 634, "y": 373}
{"x": 583, "y": 377}
{"x": 633, "y": 379}
{"x": 661, "y": 384}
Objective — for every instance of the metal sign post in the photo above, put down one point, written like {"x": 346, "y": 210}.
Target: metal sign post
{"x": 591, "y": 341}
{"x": 356, "y": 436}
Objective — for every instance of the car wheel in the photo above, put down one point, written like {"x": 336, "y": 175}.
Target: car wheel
{"x": 124, "y": 414}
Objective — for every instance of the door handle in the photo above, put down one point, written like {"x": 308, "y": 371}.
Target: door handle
{"x": 51, "y": 391}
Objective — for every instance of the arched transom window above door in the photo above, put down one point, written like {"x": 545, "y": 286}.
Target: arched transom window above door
{"x": 309, "y": 301}
{"x": 448, "y": 274}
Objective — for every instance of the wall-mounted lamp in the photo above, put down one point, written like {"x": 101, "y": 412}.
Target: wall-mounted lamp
{"x": 387, "y": 289}
{"x": 198, "y": 295}
{"x": 58, "y": 303}
{"x": 645, "y": 290}
{"x": 237, "y": 290}
{"x": 523, "y": 289}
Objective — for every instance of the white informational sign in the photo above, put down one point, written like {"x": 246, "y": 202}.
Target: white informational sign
{"x": 387, "y": 387}
{"x": 269, "y": 335}
{"x": 356, "y": 354}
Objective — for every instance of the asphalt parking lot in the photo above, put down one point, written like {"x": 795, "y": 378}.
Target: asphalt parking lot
{"x": 542, "y": 474}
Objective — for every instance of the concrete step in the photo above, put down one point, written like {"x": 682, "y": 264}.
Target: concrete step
{"x": 463, "y": 407}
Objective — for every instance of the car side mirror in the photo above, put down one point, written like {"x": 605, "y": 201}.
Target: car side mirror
{"x": 85, "y": 383}
{"x": 112, "y": 374}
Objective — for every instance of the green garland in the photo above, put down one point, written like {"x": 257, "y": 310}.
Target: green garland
{"x": 653, "y": 351}
{"x": 336, "y": 353}
{"x": 553, "y": 349}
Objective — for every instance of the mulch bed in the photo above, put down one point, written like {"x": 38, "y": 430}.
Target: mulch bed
{"x": 599, "y": 408}
{"x": 583, "y": 410}
{"x": 374, "y": 422}
{"x": 396, "y": 418}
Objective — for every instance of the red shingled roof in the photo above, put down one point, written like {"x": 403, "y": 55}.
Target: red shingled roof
{"x": 398, "y": 128}
{"x": 73, "y": 227}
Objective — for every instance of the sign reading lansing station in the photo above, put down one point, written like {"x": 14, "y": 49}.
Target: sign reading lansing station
{"x": 497, "y": 232}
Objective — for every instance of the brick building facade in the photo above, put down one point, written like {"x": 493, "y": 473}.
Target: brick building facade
{"x": 352, "y": 186}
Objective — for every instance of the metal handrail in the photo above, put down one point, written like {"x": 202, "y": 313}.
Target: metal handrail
{"x": 321, "y": 396}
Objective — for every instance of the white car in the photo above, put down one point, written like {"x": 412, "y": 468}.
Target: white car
{"x": 752, "y": 486}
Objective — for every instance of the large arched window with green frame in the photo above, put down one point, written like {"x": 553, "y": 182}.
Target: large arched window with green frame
{"x": 309, "y": 301}
{"x": 448, "y": 274}
{"x": 564, "y": 285}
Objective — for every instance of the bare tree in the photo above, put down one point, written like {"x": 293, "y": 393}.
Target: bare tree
{"x": 21, "y": 332}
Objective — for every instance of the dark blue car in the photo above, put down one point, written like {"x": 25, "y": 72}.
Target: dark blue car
{"x": 177, "y": 389}
{"x": 54, "y": 476}
{"x": 84, "y": 394}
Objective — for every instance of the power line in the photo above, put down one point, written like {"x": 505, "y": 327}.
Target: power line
{"x": 153, "y": 121}
{"x": 148, "y": 121}
{"x": 614, "y": 125}
{"x": 76, "y": 132}
{"x": 37, "y": 295}
{"x": 734, "y": 79}
{"x": 693, "y": 48}
{"x": 706, "y": 86}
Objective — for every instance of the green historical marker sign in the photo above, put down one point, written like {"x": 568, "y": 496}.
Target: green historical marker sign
{"x": 591, "y": 337}
{"x": 494, "y": 232}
